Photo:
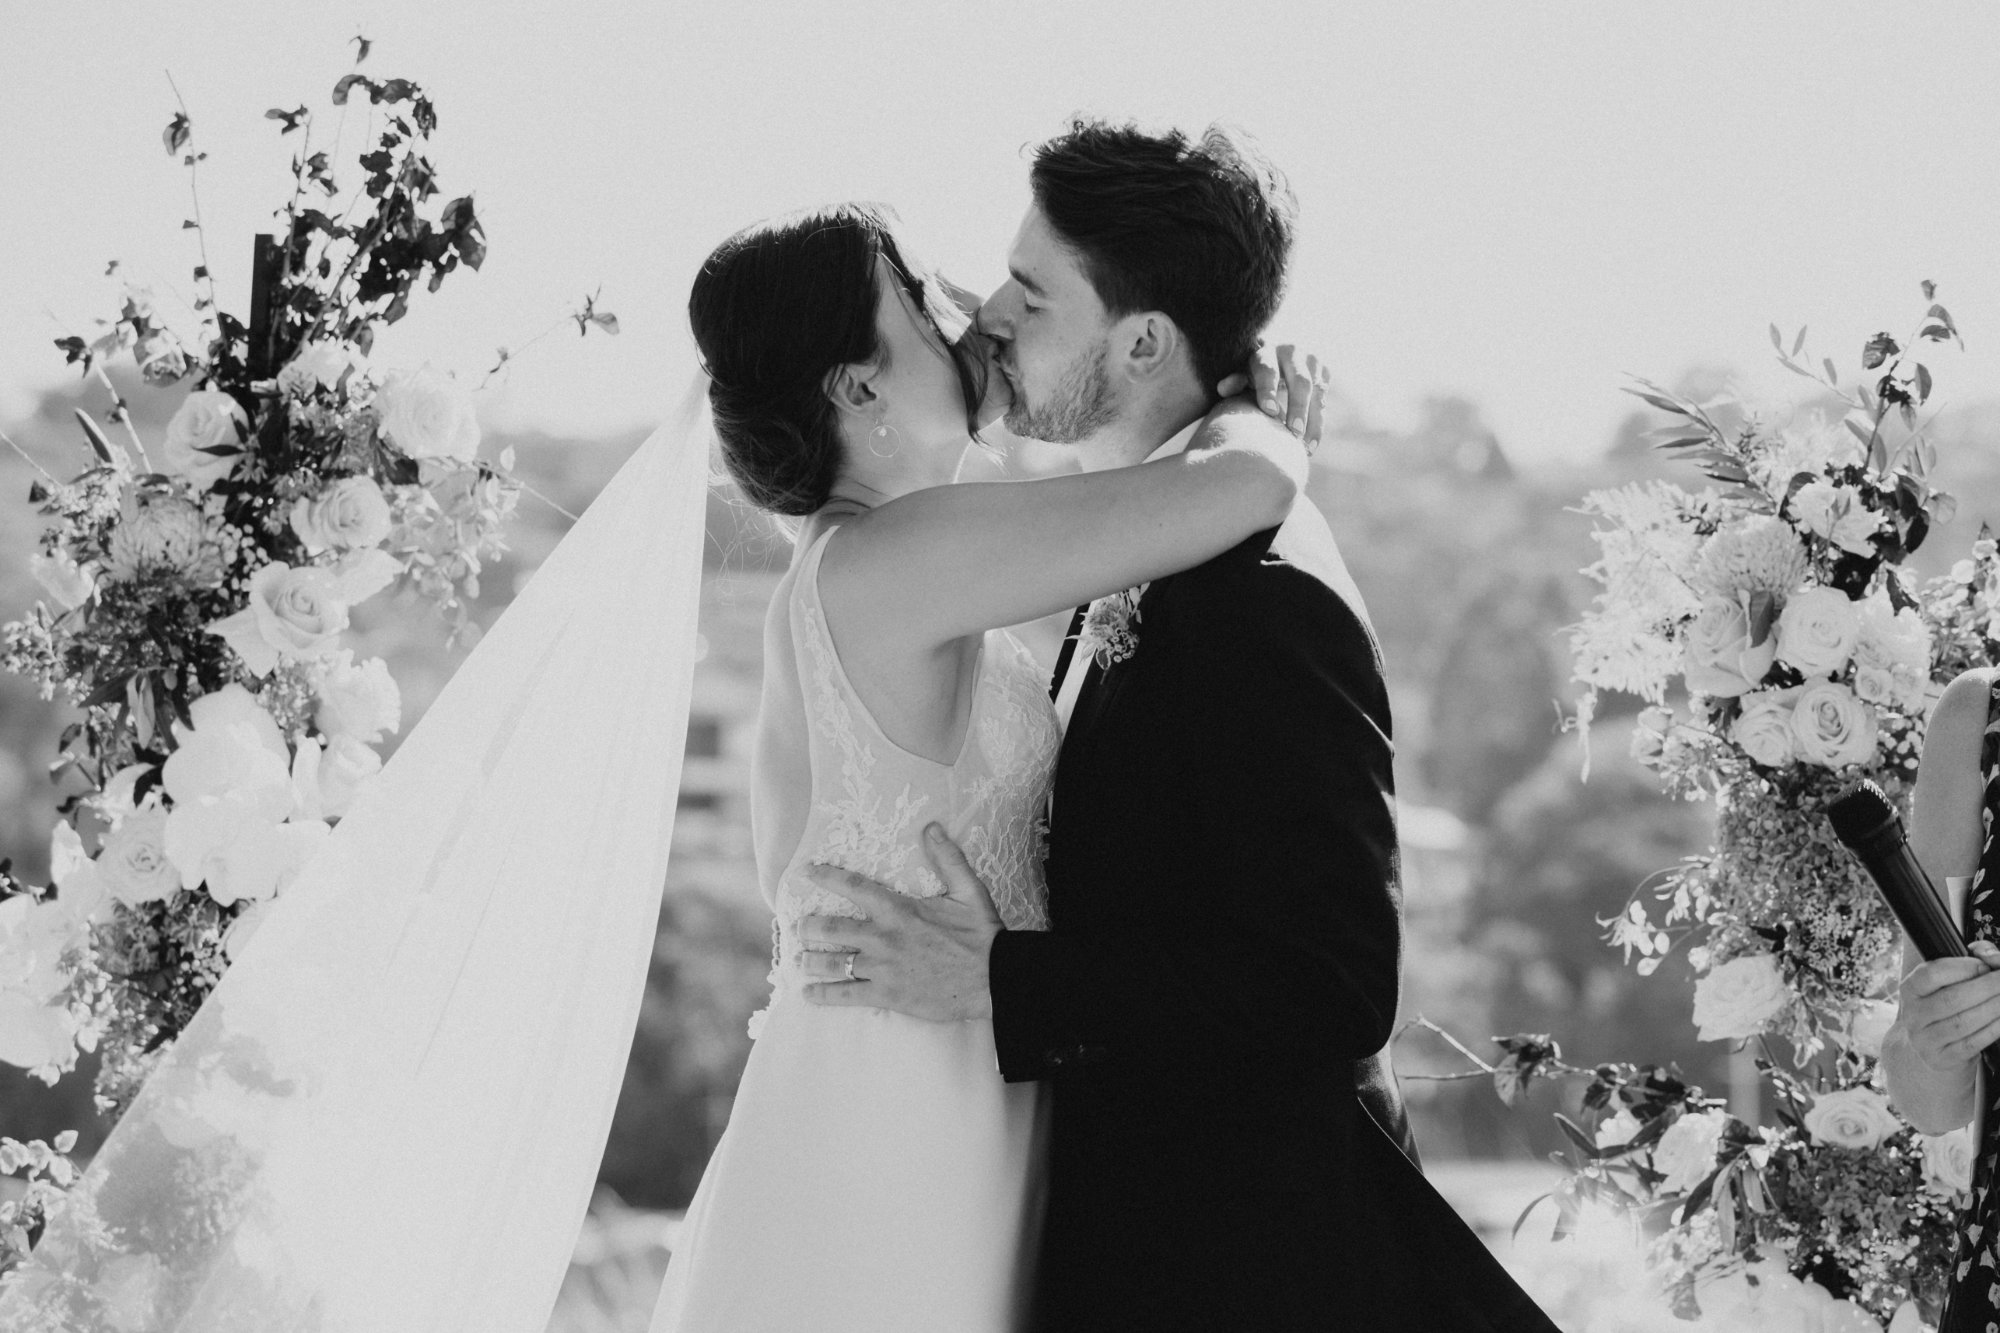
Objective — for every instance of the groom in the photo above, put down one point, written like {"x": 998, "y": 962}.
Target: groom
{"x": 1210, "y": 1006}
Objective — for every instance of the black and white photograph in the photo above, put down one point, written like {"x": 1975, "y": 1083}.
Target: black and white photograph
{"x": 1077, "y": 667}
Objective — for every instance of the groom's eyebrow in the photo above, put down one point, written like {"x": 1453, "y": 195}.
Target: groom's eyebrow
{"x": 1026, "y": 281}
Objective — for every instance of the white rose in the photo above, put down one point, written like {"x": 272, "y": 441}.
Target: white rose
{"x": 319, "y": 365}
{"x": 134, "y": 862}
{"x": 33, "y": 1034}
{"x": 1685, "y": 1154}
{"x": 292, "y": 613}
{"x": 1617, "y": 1128}
{"x": 1851, "y": 1118}
{"x": 1817, "y": 631}
{"x": 1948, "y": 1161}
{"x": 1764, "y": 728}
{"x": 63, "y": 578}
{"x": 350, "y": 514}
{"x": 1832, "y": 727}
{"x": 234, "y": 747}
{"x": 329, "y": 781}
{"x": 1875, "y": 685}
{"x": 358, "y": 699}
{"x": 1895, "y": 647}
{"x": 427, "y": 415}
{"x": 1867, "y": 1025}
{"x": 208, "y": 420}
{"x": 1737, "y": 998}
{"x": 1723, "y": 658}
{"x": 1836, "y": 513}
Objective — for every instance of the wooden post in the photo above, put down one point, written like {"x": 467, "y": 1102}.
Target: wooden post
{"x": 265, "y": 271}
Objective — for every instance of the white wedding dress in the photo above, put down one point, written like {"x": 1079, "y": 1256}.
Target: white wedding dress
{"x": 877, "y": 1174}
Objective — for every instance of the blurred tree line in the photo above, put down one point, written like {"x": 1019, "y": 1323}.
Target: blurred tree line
{"x": 1470, "y": 564}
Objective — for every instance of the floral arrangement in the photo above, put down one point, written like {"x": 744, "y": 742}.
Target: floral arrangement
{"x": 1784, "y": 652}
{"x": 198, "y": 591}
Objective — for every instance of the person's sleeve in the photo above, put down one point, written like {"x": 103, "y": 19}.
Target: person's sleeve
{"x": 1290, "y": 853}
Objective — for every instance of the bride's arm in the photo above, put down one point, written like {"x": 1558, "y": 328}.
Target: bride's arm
{"x": 939, "y": 564}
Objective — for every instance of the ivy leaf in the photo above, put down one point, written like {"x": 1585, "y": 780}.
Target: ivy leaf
{"x": 1777, "y": 340}
{"x": 362, "y": 46}
{"x": 1800, "y": 341}
{"x": 1930, "y": 289}
{"x": 1878, "y": 350}
{"x": 177, "y": 133}
{"x": 74, "y": 350}
{"x": 1923, "y": 382}
{"x": 291, "y": 119}
{"x": 1943, "y": 316}
{"x": 1832, "y": 374}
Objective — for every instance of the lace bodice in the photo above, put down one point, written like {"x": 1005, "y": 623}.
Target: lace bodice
{"x": 860, "y": 801}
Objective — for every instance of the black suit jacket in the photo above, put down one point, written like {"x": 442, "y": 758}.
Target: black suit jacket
{"x": 1212, "y": 1002}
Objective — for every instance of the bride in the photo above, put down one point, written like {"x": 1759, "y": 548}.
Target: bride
{"x": 876, "y": 1173}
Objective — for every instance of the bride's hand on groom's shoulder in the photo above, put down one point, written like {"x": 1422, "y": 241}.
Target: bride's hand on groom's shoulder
{"x": 925, "y": 957}
{"x": 1286, "y": 386}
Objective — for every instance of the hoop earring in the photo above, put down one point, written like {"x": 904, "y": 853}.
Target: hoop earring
{"x": 884, "y": 433}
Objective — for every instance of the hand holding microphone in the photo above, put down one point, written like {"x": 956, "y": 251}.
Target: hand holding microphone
{"x": 1950, "y": 1005}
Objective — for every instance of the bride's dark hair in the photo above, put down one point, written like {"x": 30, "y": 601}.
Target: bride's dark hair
{"x": 776, "y": 309}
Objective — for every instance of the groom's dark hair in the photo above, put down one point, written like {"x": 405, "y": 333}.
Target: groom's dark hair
{"x": 1200, "y": 230}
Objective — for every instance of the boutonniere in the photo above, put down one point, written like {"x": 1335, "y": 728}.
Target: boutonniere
{"x": 1110, "y": 630}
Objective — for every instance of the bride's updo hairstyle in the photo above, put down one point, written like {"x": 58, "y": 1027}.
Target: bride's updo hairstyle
{"x": 776, "y": 310}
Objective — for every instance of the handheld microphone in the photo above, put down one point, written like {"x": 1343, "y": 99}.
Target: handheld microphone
{"x": 1867, "y": 823}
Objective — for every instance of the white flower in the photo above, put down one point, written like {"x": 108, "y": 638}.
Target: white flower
{"x": 1685, "y": 1154}
{"x": 233, "y": 747}
{"x": 204, "y": 440}
{"x": 1764, "y": 728}
{"x": 1909, "y": 1318}
{"x": 228, "y": 845}
{"x": 1109, "y": 630}
{"x": 1617, "y": 1128}
{"x": 358, "y": 699}
{"x": 1948, "y": 1161}
{"x": 134, "y": 863}
{"x": 1894, "y": 649}
{"x": 1867, "y": 1024}
{"x": 162, "y": 533}
{"x": 1728, "y": 651}
{"x": 1851, "y": 1118}
{"x": 1832, "y": 727}
{"x": 63, "y": 578}
{"x": 319, "y": 364}
{"x": 427, "y": 415}
{"x": 1737, "y": 998}
{"x": 36, "y": 1027}
{"x": 292, "y": 613}
{"x": 351, "y": 514}
{"x": 1759, "y": 554}
{"x": 1765, "y": 1297}
{"x": 1817, "y": 631}
{"x": 328, "y": 782}
{"x": 1836, "y": 513}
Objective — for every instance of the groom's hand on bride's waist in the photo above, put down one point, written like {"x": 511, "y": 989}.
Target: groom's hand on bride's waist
{"x": 925, "y": 957}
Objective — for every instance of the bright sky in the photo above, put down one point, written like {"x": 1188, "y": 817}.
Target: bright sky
{"x": 1517, "y": 202}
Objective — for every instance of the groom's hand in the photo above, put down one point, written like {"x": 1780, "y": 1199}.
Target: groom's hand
{"x": 925, "y": 957}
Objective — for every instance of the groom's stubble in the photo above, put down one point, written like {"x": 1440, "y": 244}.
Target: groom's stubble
{"x": 1080, "y": 405}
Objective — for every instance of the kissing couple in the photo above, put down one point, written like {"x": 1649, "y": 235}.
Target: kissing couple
{"x": 1082, "y": 985}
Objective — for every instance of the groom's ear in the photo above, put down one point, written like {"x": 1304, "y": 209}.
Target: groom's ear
{"x": 1147, "y": 344}
{"x": 851, "y": 388}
